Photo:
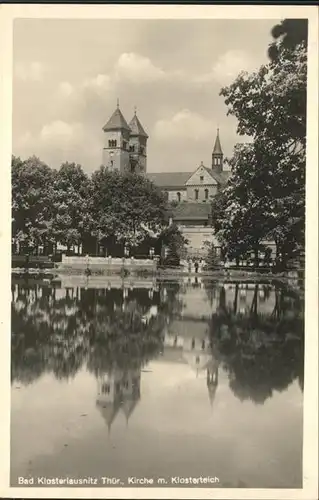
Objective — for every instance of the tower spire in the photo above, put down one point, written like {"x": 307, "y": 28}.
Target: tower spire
{"x": 217, "y": 156}
{"x": 217, "y": 147}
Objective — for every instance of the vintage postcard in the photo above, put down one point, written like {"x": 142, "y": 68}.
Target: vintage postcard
{"x": 159, "y": 251}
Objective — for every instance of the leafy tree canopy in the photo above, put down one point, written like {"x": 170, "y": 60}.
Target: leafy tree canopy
{"x": 266, "y": 193}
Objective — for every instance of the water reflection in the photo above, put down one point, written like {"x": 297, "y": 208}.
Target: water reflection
{"x": 258, "y": 331}
{"x": 253, "y": 331}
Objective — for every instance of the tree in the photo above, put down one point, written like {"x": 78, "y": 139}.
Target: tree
{"x": 70, "y": 205}
{"x": 32, "y": 192}
{"x": 212, "y": 259}
{"x": 173, "y": 240}
{"x": 288, "y": 35}
{"x": 265, "y": 197}
{"x": 126, "y": 207}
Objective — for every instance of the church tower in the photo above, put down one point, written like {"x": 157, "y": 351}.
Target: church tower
{"x": 138, "y": 146}
{"x": 116, "y": 142}
{"x": 217, "y": 156}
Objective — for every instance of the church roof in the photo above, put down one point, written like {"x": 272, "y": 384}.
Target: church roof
{"x": 136, "y": 127}
{"x": 116, "y": 122}
{"x": 192, "y": 211}
{"x": 109, "y": 411}
{"x": 128, "y": 406}
{"x": 217, "y": 148}
{"x": 169, "y": 179}
{"x": 177, "y": 180}
{"x": 221, "y": 177}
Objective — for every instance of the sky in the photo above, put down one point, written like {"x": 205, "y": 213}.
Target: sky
{"x": 68, "y": 75}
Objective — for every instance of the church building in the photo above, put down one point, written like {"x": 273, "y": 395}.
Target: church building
{"x": 190, "y": 193}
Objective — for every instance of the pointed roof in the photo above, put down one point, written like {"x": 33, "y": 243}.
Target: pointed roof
{"x": 109, "y": 411}
{"x": 117, "y": 121}
{"x": 217, "y": 148}
{"x": 136, "y": 127}
{"x": 212, "y": 393}
{"x": 128, "y": 406}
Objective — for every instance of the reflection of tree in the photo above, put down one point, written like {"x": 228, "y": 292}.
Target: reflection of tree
{"x": 46, "y": 335}
{"x": 123, "y": 340}
{"x": 58, "y": 332}
{"x": 261, "y": 352}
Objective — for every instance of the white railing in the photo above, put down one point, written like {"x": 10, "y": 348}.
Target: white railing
{"x": 107, "y": 261}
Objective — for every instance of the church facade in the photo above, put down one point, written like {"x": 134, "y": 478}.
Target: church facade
{"x": 190, "y": 193}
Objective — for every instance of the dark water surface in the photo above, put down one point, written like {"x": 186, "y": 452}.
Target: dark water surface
{"x": 157, "y": 380}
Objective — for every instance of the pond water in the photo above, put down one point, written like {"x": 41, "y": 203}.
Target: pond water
{"x": 159, "y": 380}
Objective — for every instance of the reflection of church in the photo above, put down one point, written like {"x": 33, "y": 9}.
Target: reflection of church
{"x": 187, "y": 341}
{"x": 187, "y": 335}
{"x": 118, "y": 392}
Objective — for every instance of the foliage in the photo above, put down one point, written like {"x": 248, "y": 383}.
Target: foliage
{"x": 66, "y": 206}
{"x": 265, "y": 196}
{"x": 288, "y": 35}
{"x": 127, "y": 206}
{"x": 173, "y": 240}
{"x": 70, "y": 214}
{"x": 32, "y": 189}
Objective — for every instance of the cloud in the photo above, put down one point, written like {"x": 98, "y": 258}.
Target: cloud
{"x": 59, "y": 130}
{"x": 65, "y": 89}
{"x": 228, "y": 66}
{"x": 137, "y": 69}
{"x": 33, "y": 71}
{"x": 184, "y": 125}
{"x": 60, "y": 141}
{"x": 98, "y": 82}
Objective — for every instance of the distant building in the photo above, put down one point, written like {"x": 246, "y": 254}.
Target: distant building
{"x": 125, "y": 145}
{"x": 125, "y": 150}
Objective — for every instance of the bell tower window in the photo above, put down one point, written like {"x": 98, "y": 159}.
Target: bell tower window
{"x": 112, "y": 143}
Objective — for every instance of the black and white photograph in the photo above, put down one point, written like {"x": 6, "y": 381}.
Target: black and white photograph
{"x": 158, "y": 184}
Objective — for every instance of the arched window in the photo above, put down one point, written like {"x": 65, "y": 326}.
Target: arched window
{"x": 178, "y": 197}
{"x": 206, "y": 194}
{"x": 196, "y": 194}
{"x": 112, "y": 143}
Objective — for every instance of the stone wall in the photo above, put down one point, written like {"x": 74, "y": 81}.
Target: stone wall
{"x": 173, "y": 195}
{"x": 107, "y": 263}
{"x": 211, "y": 192}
